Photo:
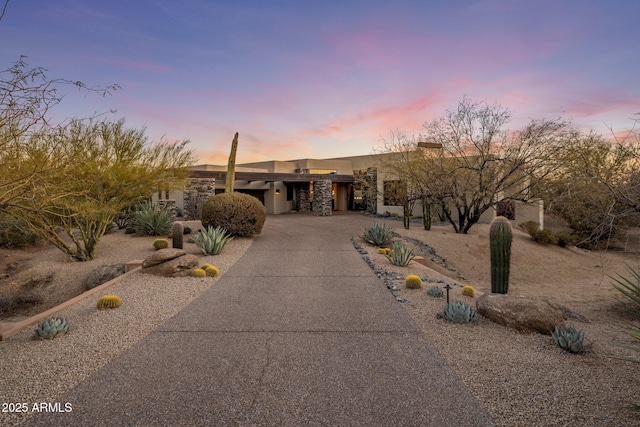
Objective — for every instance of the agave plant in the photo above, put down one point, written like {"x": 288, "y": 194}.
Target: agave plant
{"x": 629, "y": 287}
{"x": 151, "y": 220}
{"x": 51, "y": 328}
{"x": 211, "y": 241}
{"x": 400, "y": 255}
{"x": 458, "y": 312}
{"x": 569, "y": 339}
{"x": 378, "y": 235}
{"x": 435, "y": 291}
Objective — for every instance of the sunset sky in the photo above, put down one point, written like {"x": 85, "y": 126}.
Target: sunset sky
{"x": 325, "y": 79}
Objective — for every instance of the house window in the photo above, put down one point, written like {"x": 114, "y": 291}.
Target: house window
{"x": 393, "y": 193}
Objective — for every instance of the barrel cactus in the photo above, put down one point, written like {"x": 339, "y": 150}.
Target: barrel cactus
{"x": 458, "y": 312}
{"x": 468, "y": 291}
{"x": 212, "y": 271}
{"x": 108, "y": 301}
{"x": 500, "y": 237}
{"x": 177, "y": 232}
{"x": 413, "y": 282}
{"x": 198, "y": 272}
{"x": 51, "y": 328}
{"x": 160, "y": 244}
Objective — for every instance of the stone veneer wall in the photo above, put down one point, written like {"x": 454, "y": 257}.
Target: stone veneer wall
{"x": 322, "y": 197}
{"x": 303, "y": 197}
{"x": 170, "y": 205}
{"x": 196, "y": 192}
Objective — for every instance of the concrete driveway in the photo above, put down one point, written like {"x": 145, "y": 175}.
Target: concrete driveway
{"x": 298, "y": 332}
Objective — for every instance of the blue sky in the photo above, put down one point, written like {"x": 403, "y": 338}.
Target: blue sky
{"x": 326, "y": 79}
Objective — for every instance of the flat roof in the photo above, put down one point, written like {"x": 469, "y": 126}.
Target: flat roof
{"x": 271, "y": 177}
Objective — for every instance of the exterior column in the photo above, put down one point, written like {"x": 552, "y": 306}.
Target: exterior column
{"x": 197, "y": 191}
{"x": 303, "y": 197}
{"x": 322, "y": 197}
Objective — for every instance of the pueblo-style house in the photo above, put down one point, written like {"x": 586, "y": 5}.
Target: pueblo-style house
{"x": 318, "y": 186}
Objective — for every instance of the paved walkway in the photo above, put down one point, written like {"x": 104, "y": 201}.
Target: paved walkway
{"x": 298, "y": 332}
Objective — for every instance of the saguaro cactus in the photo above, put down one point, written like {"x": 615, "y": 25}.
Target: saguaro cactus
{"x": 231, "y": 166}
{"x": 406, "y": 214}
{"x": 500, "y": 237}
{"x": 177, "y": 231}
{"x": 426, "y": 215}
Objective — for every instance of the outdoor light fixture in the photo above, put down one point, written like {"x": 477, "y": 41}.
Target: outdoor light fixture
{"x": 277, "y": 192}
{"x": 448, "y": 288}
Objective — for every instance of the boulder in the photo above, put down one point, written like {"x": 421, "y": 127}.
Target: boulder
{"x": 524, "y": 313}
{"x": 162, "y": 255}
{"x": 103, "y": 274}
{"x": 177, "y": 267}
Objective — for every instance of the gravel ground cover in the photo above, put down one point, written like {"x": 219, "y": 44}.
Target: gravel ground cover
{"x": 34, "y": 371}
{"x": 525, "y": 379}
{"x": 521, "y": 379}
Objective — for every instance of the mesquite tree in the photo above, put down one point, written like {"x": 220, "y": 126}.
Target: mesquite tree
{"x": 472, "y": 163}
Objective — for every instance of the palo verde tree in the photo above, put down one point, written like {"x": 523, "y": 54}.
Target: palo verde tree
{"x": 104, "y": 167}
{"x": 471, "y": 163}
{"x": 27, "y": 158}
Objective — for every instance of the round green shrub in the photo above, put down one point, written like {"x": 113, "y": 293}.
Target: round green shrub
{"x": 413, "y": 282}
{"x": 160, "y": 244}
{"x": 240, "y": 214}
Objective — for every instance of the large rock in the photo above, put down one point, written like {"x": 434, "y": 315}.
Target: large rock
{"x": 163, "y": 255}
{"x": 524, "y": 313}
{"x": 177, "y": 267}
{"x": 103, "y": 274}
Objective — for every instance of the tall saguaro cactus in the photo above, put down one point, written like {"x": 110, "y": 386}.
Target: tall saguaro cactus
{"x": 231, "y": 166}
{"x": 500, "y": 238}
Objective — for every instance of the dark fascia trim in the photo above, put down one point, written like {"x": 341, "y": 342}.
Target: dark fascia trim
{"x": 272, "y": 177}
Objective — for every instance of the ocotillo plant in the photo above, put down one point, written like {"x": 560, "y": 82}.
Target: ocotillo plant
{"x": 500, "y": 237}
{"x": 231, "y": 166}
{"x": 177, "y": 231}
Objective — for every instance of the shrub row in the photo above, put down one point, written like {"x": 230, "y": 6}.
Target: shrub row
{"x": 546, "y": 236}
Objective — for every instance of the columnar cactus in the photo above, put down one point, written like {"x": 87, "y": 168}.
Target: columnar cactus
{"x": 177, "y": 231}
{"x": 231, "y": 166}
{"x": 426, "y": 215}
{"x": 500, "y": 237}
{"x": 406, "y": 214}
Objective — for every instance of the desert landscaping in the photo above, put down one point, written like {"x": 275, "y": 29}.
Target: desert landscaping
{"x": 521, "y": 379}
